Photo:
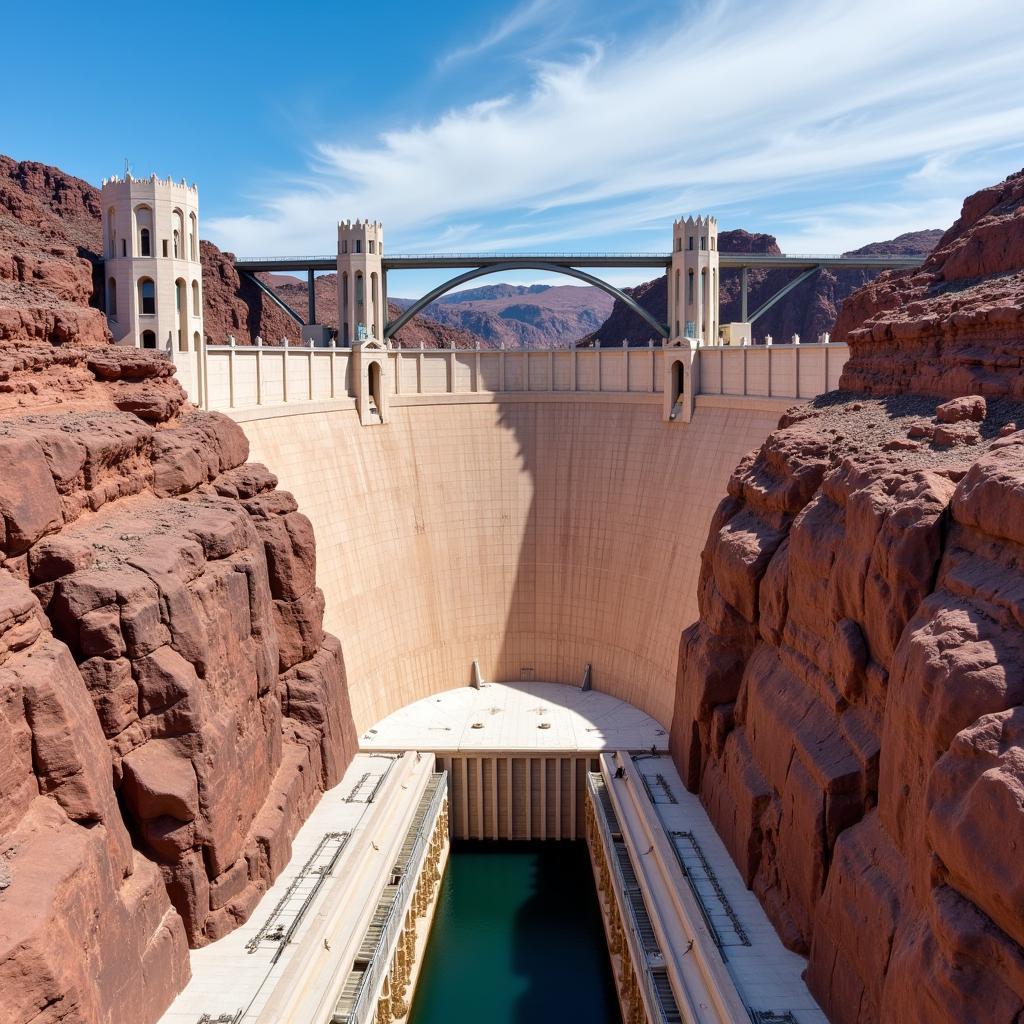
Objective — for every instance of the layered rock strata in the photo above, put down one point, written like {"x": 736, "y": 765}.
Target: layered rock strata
{"x": 955, "y": 326}
{"x": 170, "y": 706}
{"x": 848, "y": 705}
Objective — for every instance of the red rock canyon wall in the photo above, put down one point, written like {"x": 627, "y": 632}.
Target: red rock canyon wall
{"x": 170, "y": 706}
{"x": 849, "y": 704}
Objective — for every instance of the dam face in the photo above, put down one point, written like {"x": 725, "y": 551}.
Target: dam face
{"x": 533, "y": 536}
{"x": 476, "y": 555}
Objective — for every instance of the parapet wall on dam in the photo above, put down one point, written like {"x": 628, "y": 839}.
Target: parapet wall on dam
{"x": 532, "y": 535}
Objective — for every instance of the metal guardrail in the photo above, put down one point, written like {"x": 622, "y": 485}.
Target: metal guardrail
{"x": 666, "y": 256}
{"x": 380, "y": 961}
{"x": 656, "y": 995}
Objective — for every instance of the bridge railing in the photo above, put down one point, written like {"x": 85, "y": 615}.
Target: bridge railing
{"x": 235, "y": 377}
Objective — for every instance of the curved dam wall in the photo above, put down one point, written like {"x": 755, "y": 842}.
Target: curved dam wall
{"x": 533, "y": 534}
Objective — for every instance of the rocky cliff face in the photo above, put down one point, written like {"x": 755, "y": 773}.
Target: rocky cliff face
{"x": 849, "y": 704}
{"x": 170, "y": 707}
{"x": 50, "y": 238}
{"x": 957, "y": 324}
{"x": 808, "y": 310}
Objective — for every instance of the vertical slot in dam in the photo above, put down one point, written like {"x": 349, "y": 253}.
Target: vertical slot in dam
{"x": 517, "y": 939}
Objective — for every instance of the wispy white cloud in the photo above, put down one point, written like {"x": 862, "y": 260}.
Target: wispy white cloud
{"x": 525, "y": 16}
{"x": 734, "y": 106}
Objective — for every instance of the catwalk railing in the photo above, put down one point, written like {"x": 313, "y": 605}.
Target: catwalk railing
{"x": 230, "y": 377}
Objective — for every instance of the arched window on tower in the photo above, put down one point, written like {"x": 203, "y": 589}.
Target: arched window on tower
{"x": 179, "y": 297}
{"x": 111, "y": 233}
{"x": 144, "y": 229}
{"x": 148, "y": 339}
{"x": 196, "y": 309}
{"x": 112, "y": 298}
{"x": 193, "y": 232}
{"x": 177, "y": 244}
{"x": 359, "y": 289}
{"x": 147, "y": 297}
{"x": 689, "y": 287}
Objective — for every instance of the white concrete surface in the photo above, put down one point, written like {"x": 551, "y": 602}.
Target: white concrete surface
{"x": 765, "y": 973}
{"x": 226, "y": 977}
{"x": 510, "y": 717}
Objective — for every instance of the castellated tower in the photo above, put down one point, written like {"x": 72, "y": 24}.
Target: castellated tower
{"x": 154, "y": 289}
{"x": 362, "y": 295}
{"x": 693, "y": 281}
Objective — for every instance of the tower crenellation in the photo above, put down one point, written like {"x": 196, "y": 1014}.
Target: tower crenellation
{"x": 152, "y": 269}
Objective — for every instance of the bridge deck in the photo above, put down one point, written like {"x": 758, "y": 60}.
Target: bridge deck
{"x": 658, "y": 261}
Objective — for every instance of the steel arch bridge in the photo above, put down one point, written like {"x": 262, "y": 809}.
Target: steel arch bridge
{"x": 392, "y": 328}
{"x": 570, "y": 264}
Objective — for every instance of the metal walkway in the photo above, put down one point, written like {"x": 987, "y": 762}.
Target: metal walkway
{"x": 280, "y": 925}
{"x": 357, "y": 1002}
{"x": 652, "y": 969}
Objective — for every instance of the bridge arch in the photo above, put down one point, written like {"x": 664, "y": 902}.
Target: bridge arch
{"x": 497, "y": 268}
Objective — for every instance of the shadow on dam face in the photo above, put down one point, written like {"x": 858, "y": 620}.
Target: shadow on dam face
{"x": 532, "y": 536}
{"x": 517, "y": 939}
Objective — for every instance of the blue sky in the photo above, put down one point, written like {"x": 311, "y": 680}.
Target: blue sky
{"x": 543, "y": 125}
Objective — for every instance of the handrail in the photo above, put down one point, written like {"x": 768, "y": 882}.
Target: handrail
{"x": 667, "y": 256}
{"x": 380, "y": 961}
{"x": 654, "y": 999}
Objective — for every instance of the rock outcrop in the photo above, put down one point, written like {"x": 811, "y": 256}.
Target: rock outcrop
{"x": 50, "y": 237}
{"x": 849, "y": 704}
{"x": 956, "y": 325}
{"x": 170, "y": 706}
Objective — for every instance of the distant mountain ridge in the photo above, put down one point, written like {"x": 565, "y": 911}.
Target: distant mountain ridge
{"x": 555, "y": 316}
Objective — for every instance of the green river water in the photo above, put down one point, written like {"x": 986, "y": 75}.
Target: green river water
{"x": 517, "y": 939}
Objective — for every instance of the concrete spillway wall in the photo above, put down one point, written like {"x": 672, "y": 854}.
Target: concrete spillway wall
{"x": 531, "y": 535}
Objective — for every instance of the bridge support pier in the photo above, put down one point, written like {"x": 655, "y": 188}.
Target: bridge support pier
{"x": 311, "y": 301}
{"x": 743, "y": 295}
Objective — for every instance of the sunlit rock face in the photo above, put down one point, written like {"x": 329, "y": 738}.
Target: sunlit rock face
{"x": 847, "y": 704}
{"x": 956, "y": 325}
{"x": 170, "y": 706}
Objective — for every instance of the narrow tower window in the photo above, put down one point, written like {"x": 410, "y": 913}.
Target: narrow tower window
{"x": 144, "y": 248}
{"x": 196, "y": 311}
{"x": 112, "y": 298}
{"x": 177, "y": 245}
{"x": 147, "y": 297}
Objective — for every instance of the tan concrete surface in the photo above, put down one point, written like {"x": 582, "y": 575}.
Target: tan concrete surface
{"x": 532, "y": 536}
